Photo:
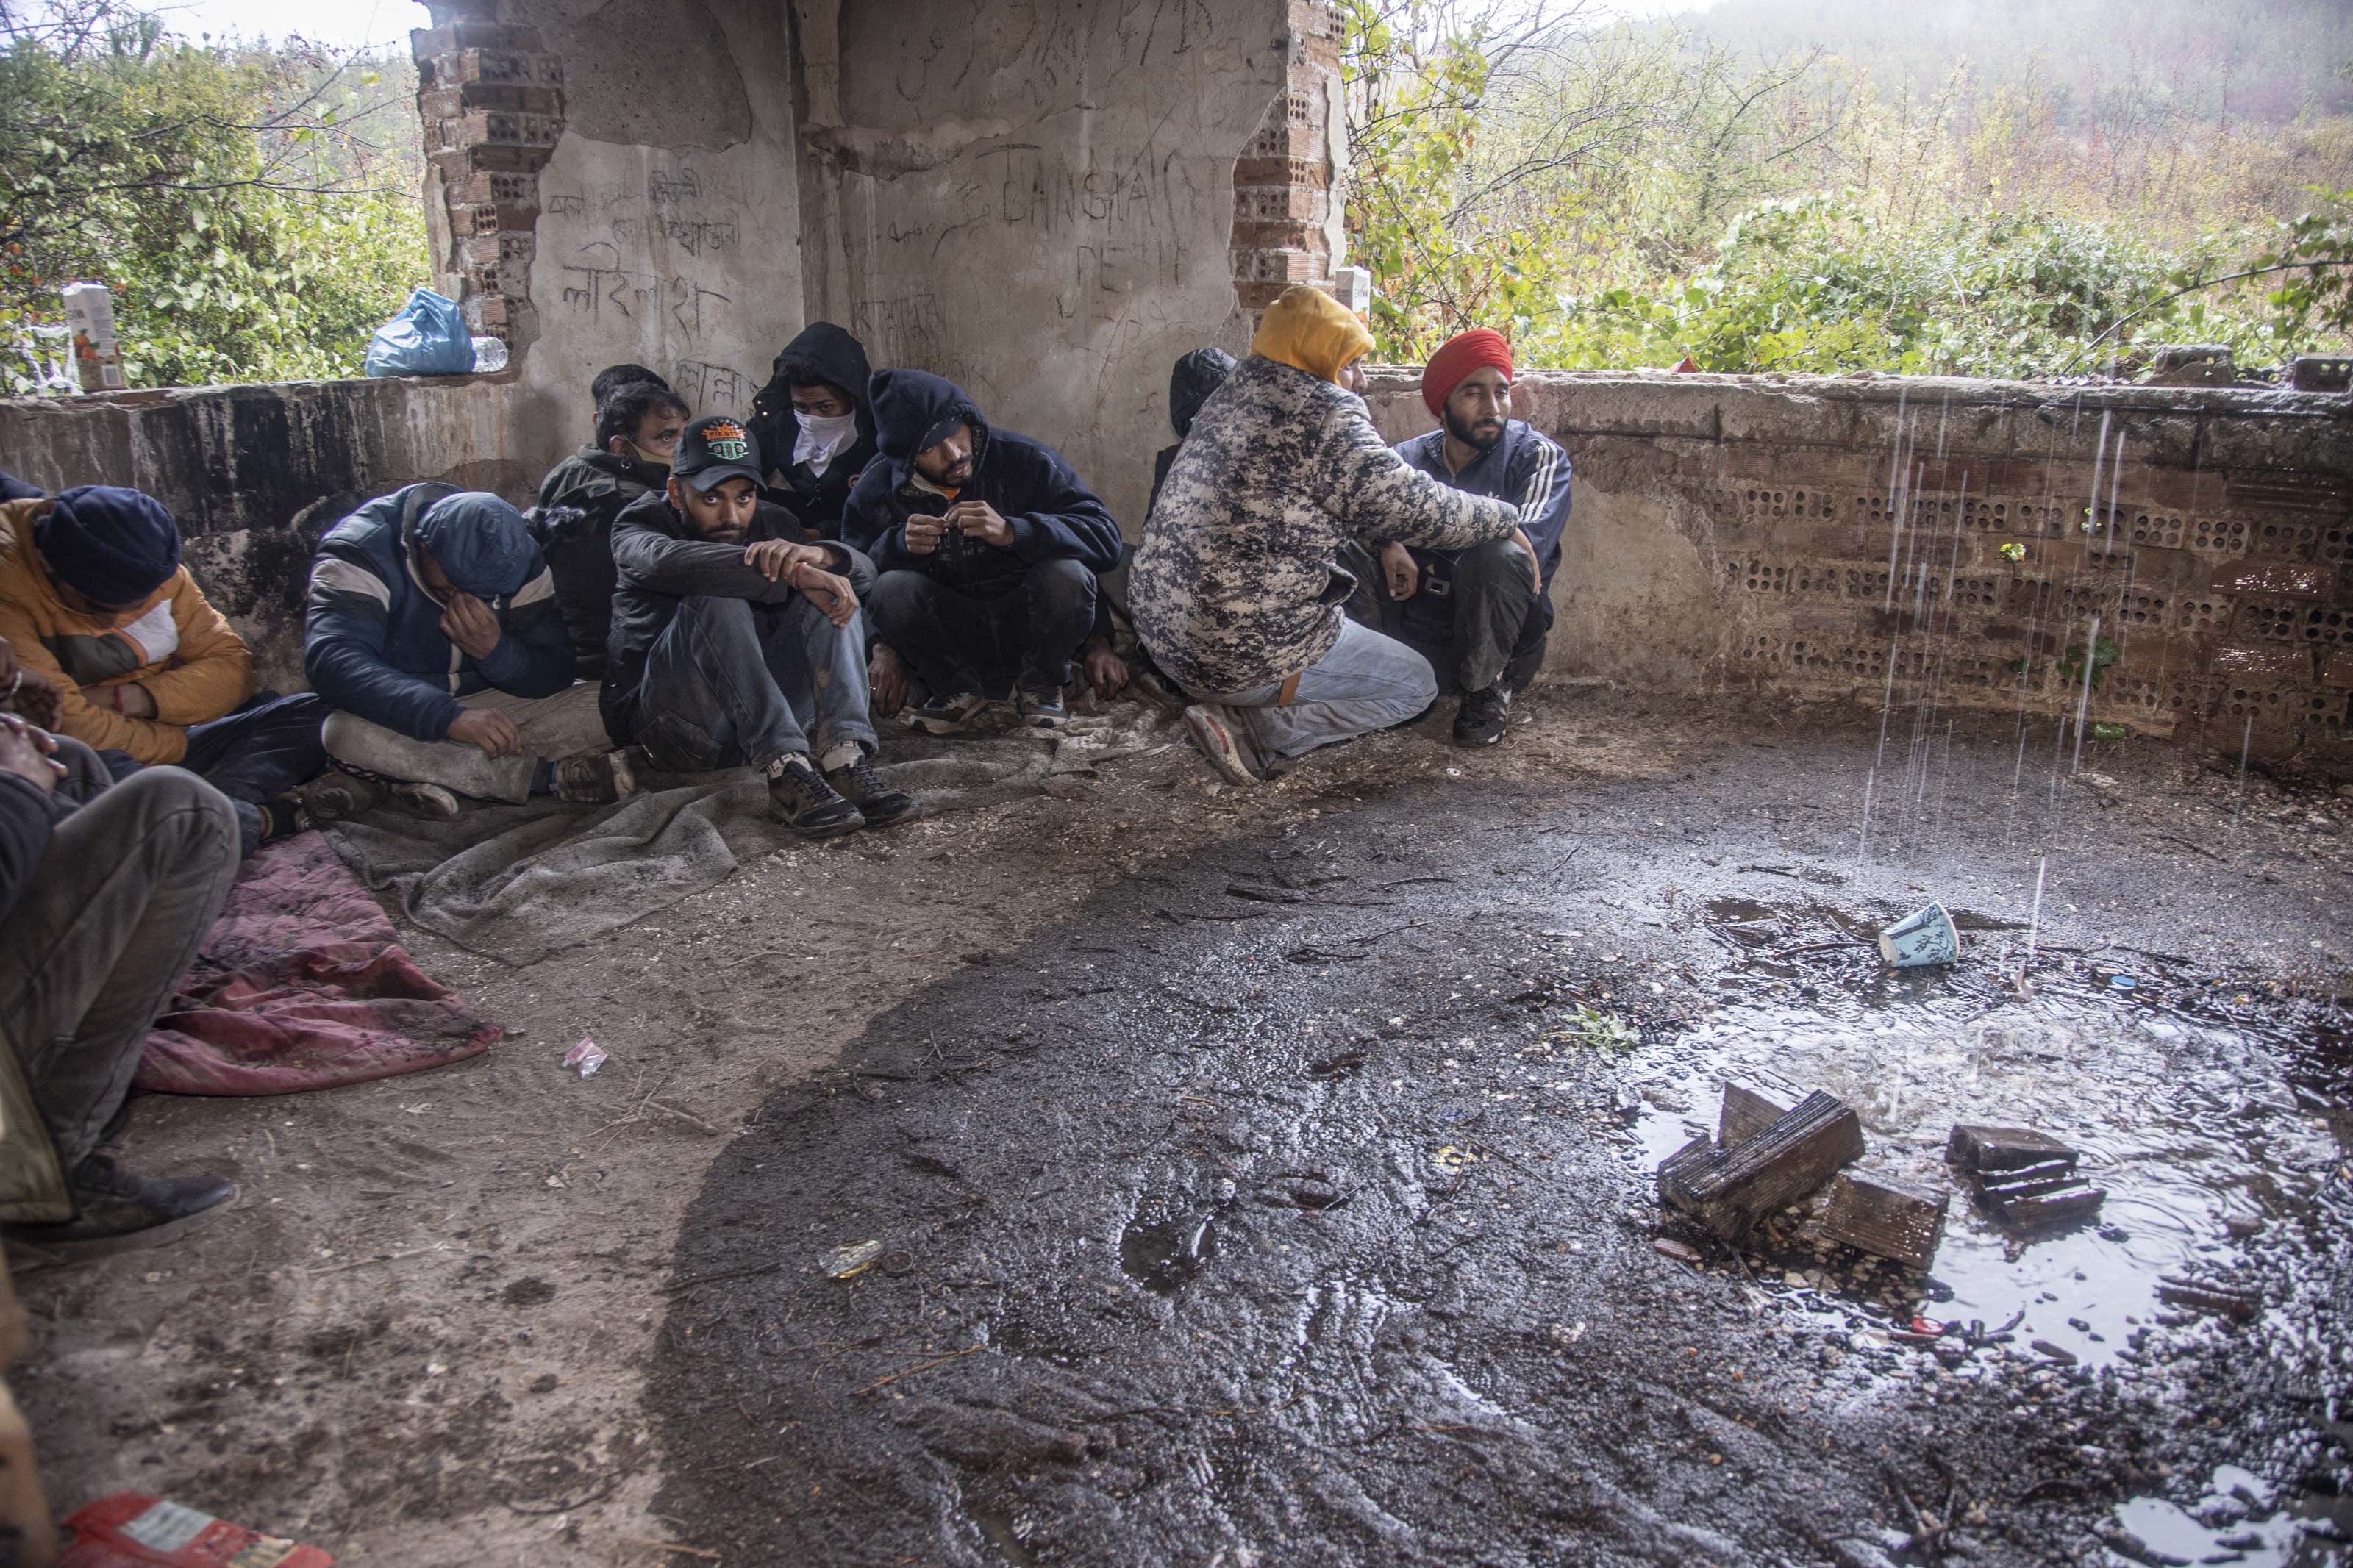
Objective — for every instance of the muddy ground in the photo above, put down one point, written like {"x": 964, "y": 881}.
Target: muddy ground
{"x": 1208, "y": 1237}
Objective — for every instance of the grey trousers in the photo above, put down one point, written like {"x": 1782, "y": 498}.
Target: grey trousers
{"x": 563, "y": 725}
{"x": 102, "y": 936}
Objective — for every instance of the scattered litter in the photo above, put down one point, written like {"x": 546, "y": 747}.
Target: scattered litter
{"x": 131, "y": 1529}
{"x": 1450, "y": 1158}
{"x": 2013, "y": 552}
{"x": 1928, "y": 1328}
{"x": 1682, "y": 1251}
{"x": 2209, "y": 1296}
{"x": 2123, "y": 982}
{"x": 2058, "y": 1353}
{"x": 2107, "y": 731}
{"x": 847, "y": 1262}
{"x": 1925, "y": 936}
{"x": 585, "y": 1055}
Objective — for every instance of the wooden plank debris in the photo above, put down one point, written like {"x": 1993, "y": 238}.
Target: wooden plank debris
{"x": 2027, "y": 1178}
{"x": 1728, "y": 1189}
{"x": 1885, "y": 1216}
{"x": 1976, "y": 1150}
{"x": 1752, "y": 1103}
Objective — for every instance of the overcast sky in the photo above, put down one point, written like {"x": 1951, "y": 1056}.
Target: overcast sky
{"x": 347, "y": 25}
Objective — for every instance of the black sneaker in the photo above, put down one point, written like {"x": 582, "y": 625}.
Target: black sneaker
{"x": 799, "y": 797}
{"x": 877, "y": 802}
{"x": 119, "y": 1210}
{"x": 338, "y": 796}
{"x": 595, "y": 780}
{"x": 949, "y": 715}
{"x": 1042, "y": 709}
{"x": 1481, "y": 719}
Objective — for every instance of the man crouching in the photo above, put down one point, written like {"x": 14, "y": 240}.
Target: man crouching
{"x": 735, "y": 646}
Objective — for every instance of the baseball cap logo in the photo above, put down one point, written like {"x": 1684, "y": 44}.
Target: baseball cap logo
{"x": 727, "y": 442}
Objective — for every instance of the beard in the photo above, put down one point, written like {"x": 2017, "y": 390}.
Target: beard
{"x": 1479, "y": 437}
{"x": 724, "y": 533}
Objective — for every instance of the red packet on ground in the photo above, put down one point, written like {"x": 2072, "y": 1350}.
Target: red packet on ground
{"x": 131, "y": 1530}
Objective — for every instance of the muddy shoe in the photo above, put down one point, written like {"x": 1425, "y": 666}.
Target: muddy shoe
{"x": 799, "y": 797}
{"x": 338, "y": 796}
{"x": 118, "y": 1210}
{"x": 1042, "y": 710}
{"x": 1222, "y": 739}
{"x": 595, "y": 780}
{"x": 949, "y": 715}
{"x": 877, "y": 802}
{"x": 429, "y": 801}
{"x": 1483, "y": 716}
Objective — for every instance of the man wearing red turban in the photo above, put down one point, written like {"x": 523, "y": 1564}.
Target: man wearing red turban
{"x": 1480, "y": 615}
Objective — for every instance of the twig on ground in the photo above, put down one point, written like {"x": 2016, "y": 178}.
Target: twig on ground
{"x": 926, "y": 1366}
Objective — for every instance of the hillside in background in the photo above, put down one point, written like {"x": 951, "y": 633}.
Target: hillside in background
{"x": 2216, "y": 61}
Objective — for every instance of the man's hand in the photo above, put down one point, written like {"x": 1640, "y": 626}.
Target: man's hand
{"x": 493, "y": 731}
{"x": 26, "y": 753}
{"x": 978, "y": 520}
{"x": 1536, "y": 567}
{"x": 886, "y": 680}
{"x": 1106, "y": 669}
{"x": 826, "y": 590}
{"x": 1402, "y": 571}
{"x": 924, "y": 534}
{"x": 772, "y": 558}
{"x": 470, "y": 623}
{"x": 133, "y": 701}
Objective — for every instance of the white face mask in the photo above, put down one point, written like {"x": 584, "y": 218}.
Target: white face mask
{"x": 822, "y": 438}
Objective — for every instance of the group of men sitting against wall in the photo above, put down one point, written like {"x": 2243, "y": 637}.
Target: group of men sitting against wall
{"x": 693, "y": 595}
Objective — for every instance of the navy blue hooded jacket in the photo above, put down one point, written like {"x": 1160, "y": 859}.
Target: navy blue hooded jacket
{"x": 372, "y": 643}
{"x": 1525, "y": 468}
{"x": 825, "y": 353}
{"x": 1053, "y": 516}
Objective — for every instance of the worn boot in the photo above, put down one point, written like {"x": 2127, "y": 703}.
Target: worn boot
{"x": 595, "y": 780}
{"x": 799, "y": 797}
{"x": 1484, "y": 717}
{"x": 117, "y": 1210}
{"x": 338, "y": 796}
{"x": 877, "y": 802}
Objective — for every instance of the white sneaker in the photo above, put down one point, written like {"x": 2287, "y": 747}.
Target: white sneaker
{"x": 1222, "y": 739}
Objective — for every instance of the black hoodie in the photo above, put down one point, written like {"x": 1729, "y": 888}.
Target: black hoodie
{"x": 579, "y": 549}
{"x": 1054, "y": 517}
{"x": 1191, "y": 382}
{"x": 840, "y": 360}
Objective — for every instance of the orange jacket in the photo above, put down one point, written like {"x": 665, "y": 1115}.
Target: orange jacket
{"x": 175, "y": 645}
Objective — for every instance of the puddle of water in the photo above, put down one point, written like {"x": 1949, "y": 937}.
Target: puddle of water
{"x": 1161, "y": 1255}
{"x": 2237, "y": 1521}
{"x": 2185, "y": 1122}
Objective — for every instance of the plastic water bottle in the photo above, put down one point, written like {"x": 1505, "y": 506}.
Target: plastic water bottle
{"x": 490, "y": 355}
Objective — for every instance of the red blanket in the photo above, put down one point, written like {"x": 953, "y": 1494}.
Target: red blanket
{"x": 303, "y": 985}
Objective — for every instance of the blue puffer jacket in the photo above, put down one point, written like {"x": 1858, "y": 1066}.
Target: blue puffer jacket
{"x": 372, "y": 643}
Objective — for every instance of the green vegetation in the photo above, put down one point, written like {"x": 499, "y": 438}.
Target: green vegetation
{"x": 253, "y": 208}
{"x": 1834, "y": 186}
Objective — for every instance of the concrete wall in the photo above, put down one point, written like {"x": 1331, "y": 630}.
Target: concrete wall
{"x": 256, "y": 474}
{"x": 1797, "y": 535}
{"x": 669, "y": 230}
{"x": 1036, "y": 200}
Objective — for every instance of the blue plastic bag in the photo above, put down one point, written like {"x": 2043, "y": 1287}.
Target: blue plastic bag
{"x": 428, "y": 338}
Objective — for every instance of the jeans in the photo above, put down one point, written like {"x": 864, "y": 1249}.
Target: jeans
{"x": 102, "y": 934}
{"x": 259, "y": 752}
{"x": 1477, "y": 616}
{"x": 731, "y": 683}
{"x": 1021, "y": 630}
{"x": 1366, "y": 682}
{"x": 563, "y": 725}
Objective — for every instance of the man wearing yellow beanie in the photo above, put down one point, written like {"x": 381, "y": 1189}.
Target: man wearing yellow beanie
{"x": 1237, "y": 590}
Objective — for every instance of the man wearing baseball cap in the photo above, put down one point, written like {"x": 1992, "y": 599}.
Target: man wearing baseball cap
{"x": 1480, "y": 616}
{"x": 736, "y": 645}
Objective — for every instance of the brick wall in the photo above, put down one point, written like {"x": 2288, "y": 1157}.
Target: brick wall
{"x": 492, "y": 97}
{"x": 1283, "y": 181}
{"x": 1799, "y": 537}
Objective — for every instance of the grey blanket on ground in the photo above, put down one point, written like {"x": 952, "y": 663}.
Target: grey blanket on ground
{"x": 519, "y": 882}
